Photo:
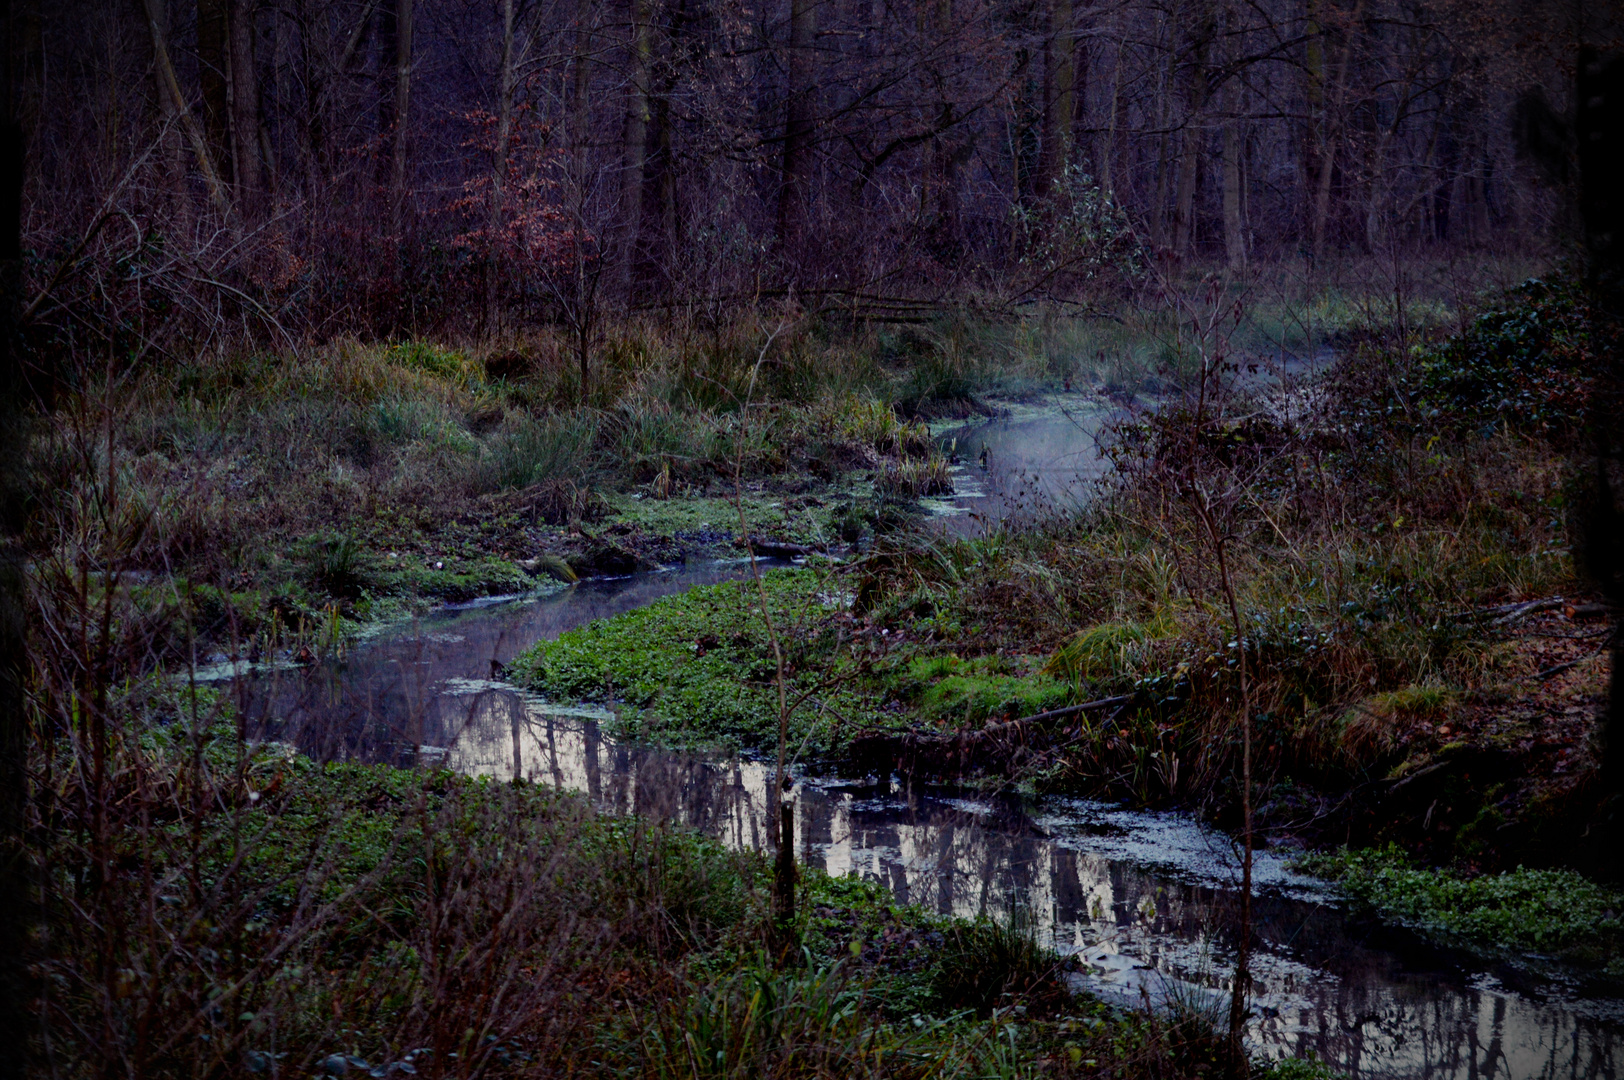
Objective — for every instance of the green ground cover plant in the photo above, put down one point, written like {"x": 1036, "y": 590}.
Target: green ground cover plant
{"x": 1521, "y": 910}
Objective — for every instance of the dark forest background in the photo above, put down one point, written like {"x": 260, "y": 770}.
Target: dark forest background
{"x": 299, "y": 169}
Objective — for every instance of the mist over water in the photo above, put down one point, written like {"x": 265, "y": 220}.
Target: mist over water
{"x": 1032, "y": 461}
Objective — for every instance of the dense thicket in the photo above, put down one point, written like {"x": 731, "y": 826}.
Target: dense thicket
{"x": 383, "y": 165}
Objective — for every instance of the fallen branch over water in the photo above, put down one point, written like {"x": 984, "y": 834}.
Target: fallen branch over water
{"x": 997, "y": 747}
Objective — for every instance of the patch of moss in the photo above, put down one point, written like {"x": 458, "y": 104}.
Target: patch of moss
{"x": 455, "y": 580}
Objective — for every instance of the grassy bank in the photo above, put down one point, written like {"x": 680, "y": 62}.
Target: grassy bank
{"x": 352, "y": 482}
{"x": 363, "y": 481}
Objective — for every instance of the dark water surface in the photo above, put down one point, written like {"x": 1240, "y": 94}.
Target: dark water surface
{"x": 1142, "y": 897}
{"x": 1033, "y": 459}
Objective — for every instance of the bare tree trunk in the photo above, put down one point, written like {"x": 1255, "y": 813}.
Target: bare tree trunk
{"x": 1060, "y": 93}
{"x": 499, "y": 165}
{"x": 1160, "y": 237}
{"x": 664, "y": 181}
{"x": 313, "y": 77}
{"x": 581, "y": 76}
{"x": 27, "y": 88}
{"x": 403, "y": 102}
{"x": 1198, "y": 92}
{"x": 1184, "y": 206}
{"x": 1322, "y": 199}
{"x": 245, "y": 126}
{"x": 156, "y": 19}
{"x": 212, "y": 60}
{"x": 1330, "y": 135}
{"x": 1234, "y": 188}
{"x": 947, "y": 151}
{"x": 388, "y": 126}
{"x": 1105, "y": 148}
{"x": 794, "y": 181}
{"x": 634, "y": 146}
{"x": 1234, "y": 211}
{"x": 1314, "y": 158}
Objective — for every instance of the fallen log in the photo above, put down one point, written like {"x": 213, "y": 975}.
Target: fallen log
{"x": 997, "y": 747}
{"x": 778, "y": 549}
{"x": 1500, "y": 614}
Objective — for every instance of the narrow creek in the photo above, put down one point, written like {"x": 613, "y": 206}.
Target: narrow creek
{"x": 1145, "y": 899}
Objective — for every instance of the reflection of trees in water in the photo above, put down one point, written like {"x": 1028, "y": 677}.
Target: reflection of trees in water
{"x": 1346, "y": 998}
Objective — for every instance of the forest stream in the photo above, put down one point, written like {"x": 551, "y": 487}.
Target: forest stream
{"x": 1145, "y": 899}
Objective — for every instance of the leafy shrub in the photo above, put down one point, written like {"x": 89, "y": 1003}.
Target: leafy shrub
{"x": 1525, "y": 363}
{"x": 1078, "y": 235}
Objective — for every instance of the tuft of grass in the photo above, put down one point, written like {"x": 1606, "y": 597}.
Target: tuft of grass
{"x": 437, "y": 360}
{"x": 537, "y": 449}
{"x": 914, "y": 478}
{"x": 989, "y": 964}
{"x": 1106, "y": 650}
{"x": 1374, "y": 728}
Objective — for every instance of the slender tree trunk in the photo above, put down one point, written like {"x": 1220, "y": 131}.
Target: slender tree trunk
{"x": 499, "y": 166}
{"x": 212, "y": 61}
{"x": 1314, "y": 141}
{"x": 1234, "y": 207}
{"x": 245, "y": 125}
{"x": 317, "y": 162}
{"x": 27, "y": 88}
{"x": 794, "y": 181}
{"x": 1195, "y": 133}
{"x": 1189, "y": 169}
{"x": 1322, "y": 199}
{"x": 1330, "y": 136}
{"x": 1105, "y": 148}
{"x": 1160, "y": 235}
{"x": 1060, "y": 93}
{"x": 581, "y": 76}
{"x": 170, "y": 84}
{"x": 403, "y": 102}
{"x": 942, "y": 161}
{"x": 634, "y": 145}
{"x": 664, "y": 180}
{"x": 1234, "y": 187}
{"x": 387, "y": 22}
